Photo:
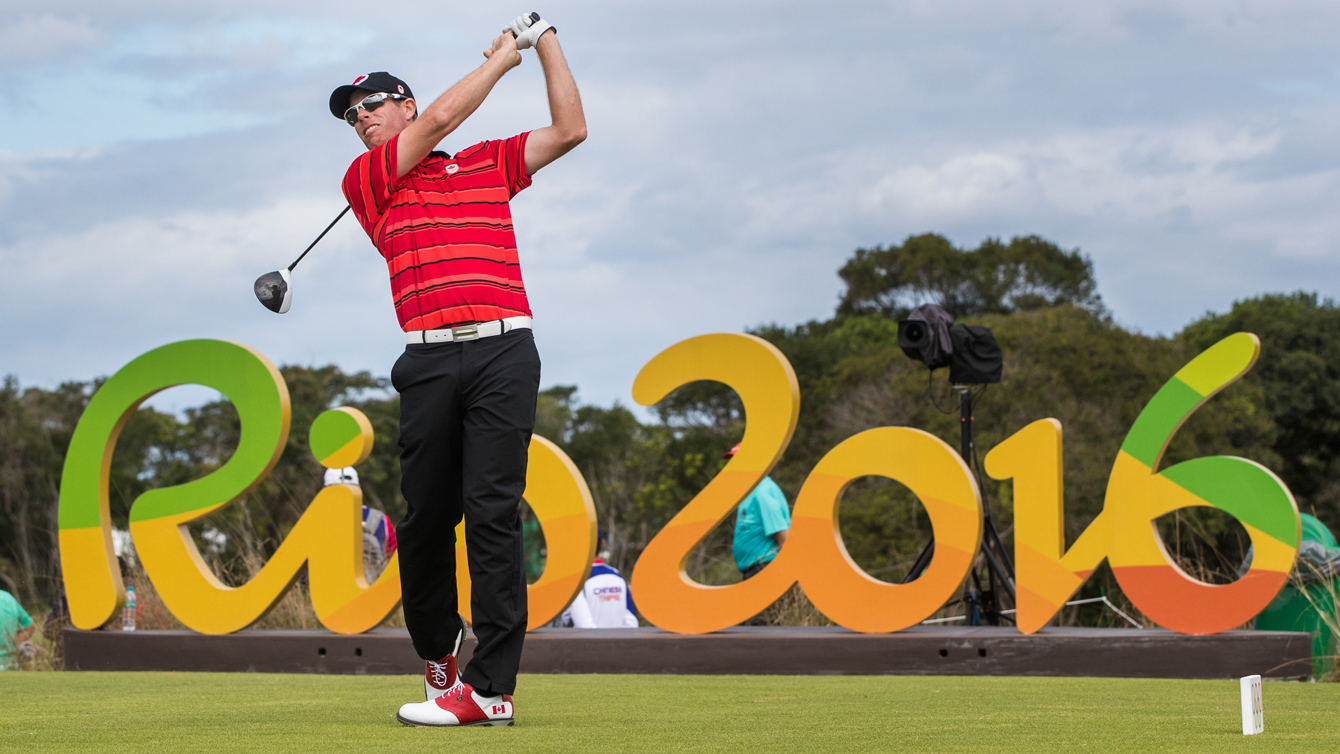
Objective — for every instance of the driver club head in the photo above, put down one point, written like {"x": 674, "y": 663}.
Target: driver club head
{"x": 274, "y": 292}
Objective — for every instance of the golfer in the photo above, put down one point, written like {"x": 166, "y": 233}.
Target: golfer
{"x": 470, "y": 374}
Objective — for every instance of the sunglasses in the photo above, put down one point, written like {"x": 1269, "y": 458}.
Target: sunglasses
{"x": 369, "y": 103}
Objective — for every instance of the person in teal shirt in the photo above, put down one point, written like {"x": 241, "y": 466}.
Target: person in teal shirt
{"x": 761, "y": 524}
{"x": 15, "y": 627}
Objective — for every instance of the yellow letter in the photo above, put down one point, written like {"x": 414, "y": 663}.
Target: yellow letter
{"x": 938, "y": 477}
{"x": 763, "y": 379}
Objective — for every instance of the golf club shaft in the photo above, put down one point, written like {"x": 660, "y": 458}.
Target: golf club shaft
{"x": 318, "y": 238}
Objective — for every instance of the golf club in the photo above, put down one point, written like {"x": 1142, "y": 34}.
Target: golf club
{"x": 275, "y": 289}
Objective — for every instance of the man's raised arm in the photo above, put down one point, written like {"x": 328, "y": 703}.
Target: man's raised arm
{"x": 456, "y": 104}
{"x": 568, "y": 126}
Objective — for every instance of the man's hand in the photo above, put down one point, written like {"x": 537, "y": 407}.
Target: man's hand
{"x": 528, "y": 28}
{"x": 505, "y": 46}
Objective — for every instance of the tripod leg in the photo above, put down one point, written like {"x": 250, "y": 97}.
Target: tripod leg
{"x": 923, "y": 560}
{"x": 997, "y": 560}
{"x": 1001, "y": 553}
{"x": 972, "y": 598}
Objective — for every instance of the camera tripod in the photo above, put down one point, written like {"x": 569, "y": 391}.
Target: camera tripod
{"x": 993, "y": 566}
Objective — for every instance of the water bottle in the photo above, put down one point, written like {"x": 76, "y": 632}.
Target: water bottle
{"x": 128, "y": 612}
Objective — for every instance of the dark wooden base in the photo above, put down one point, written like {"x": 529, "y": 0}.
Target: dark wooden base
{"x": 1151, "y": 653}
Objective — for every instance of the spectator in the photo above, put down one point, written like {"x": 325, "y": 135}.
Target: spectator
{"x": 604, "y": 601}
{"x": 378, "y": 531}
{"x": 761, "y": 525}
{"x": 15, "y": 628}
{"x": 58, "y": 618}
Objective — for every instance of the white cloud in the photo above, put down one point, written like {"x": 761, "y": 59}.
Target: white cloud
{"x": 1135, "y": 174}
{"x": 1179, "y": 218}
{"x": 1240, "y": 22}
{"x": 738, "y": 153}
{"x": 967, "y": 183}
{"x": 162, "y": 80}
{"x": 40, "y": 38}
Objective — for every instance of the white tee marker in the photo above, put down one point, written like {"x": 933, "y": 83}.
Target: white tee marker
{"x": 1253, "y": 717}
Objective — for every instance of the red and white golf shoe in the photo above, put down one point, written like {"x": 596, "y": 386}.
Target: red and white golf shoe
{"x": 441, "y": 676}
{"x": 459, "y": 706}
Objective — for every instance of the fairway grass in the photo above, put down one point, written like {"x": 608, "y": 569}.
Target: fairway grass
{"x": 211, "y": 712}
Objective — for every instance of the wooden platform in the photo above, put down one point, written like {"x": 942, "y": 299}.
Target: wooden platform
{"x": 1150, "y": 653}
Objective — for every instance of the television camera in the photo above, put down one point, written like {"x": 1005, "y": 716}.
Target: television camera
{"x": 930, "y": 335}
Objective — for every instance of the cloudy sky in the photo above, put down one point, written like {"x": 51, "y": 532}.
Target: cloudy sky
{"x": 156, "y": 157}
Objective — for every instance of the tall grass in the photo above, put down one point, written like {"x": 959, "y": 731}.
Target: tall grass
{"x": 795, "y": 609}
{"x": 1324, "y": 596}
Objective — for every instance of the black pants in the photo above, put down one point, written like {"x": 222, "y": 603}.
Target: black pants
{"x": 467, "y": 411}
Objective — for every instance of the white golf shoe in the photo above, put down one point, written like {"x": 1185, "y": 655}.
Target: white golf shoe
{"x": 459, "y": 706}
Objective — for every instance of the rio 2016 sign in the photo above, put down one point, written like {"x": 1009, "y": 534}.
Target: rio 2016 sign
{"x": 327, "y": 538}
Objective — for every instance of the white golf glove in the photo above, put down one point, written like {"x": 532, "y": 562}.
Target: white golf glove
{"x": 527, "y": 28}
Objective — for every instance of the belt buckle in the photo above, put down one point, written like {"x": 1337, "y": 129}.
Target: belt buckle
{"x": 465, "y": 332}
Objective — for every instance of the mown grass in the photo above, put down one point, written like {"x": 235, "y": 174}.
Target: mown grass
{"x": 195, "y": 712}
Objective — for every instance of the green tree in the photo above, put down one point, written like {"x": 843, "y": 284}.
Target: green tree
{"x": 1298, "y": 379}
{"x": 35, "y": 430}
{"x": 995, "y": 278}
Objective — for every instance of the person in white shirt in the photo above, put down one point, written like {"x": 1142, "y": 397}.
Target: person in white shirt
{"x": 604, "y": 601}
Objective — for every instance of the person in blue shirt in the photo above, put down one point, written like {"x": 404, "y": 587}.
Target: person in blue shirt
{"x": 761, "y": 524}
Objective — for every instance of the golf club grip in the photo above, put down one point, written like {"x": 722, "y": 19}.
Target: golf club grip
{"x": 318, "y": 238}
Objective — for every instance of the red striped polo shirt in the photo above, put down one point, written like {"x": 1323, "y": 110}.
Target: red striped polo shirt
{"x": 445, "y": 230}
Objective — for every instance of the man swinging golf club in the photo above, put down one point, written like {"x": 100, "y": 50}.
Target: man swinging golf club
{"x": 470, "y": 374}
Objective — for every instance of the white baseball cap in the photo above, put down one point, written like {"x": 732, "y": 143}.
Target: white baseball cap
{"x": 341, "y": 476}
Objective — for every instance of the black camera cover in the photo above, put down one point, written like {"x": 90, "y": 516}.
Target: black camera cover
{"x": 924, "y": 335}
{"x": 976, "y": 359}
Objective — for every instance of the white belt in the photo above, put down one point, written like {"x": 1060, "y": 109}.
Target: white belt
{"x": 468, "y": 332}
